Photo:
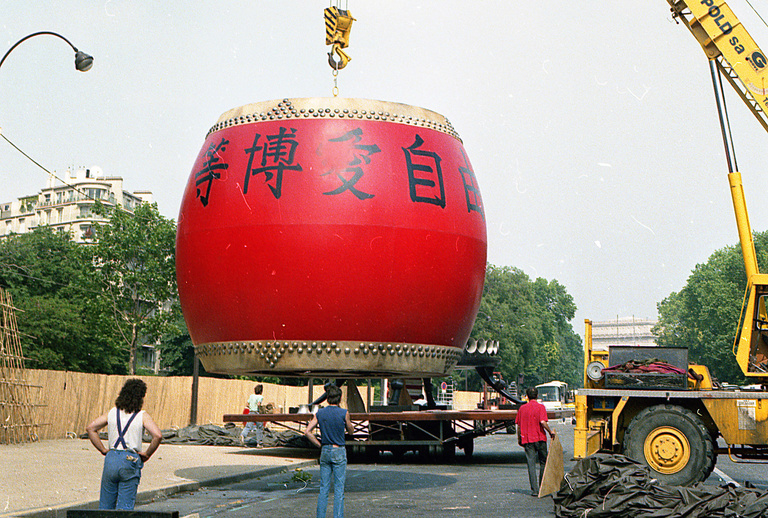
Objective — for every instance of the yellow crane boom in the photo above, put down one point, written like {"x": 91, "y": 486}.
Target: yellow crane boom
{"x": 726, "y": 42}
{"x": 734, "y": 54}
{"x": 673, "y": 425}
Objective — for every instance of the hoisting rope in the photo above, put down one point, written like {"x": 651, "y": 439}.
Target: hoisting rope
{"x": 338, "y": 24}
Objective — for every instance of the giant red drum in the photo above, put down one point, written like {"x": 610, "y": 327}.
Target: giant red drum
{"x": 331, "y": 237}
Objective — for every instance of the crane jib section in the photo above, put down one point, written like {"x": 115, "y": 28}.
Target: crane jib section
{"x": 720, "y": 33}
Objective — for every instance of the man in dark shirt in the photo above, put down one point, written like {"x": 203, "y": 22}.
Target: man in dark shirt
{"x": 531, "y": 422}
{"x": 333, "y": 421}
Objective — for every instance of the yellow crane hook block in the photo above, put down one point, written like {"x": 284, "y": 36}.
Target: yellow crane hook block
{"x": 338, "y": 24}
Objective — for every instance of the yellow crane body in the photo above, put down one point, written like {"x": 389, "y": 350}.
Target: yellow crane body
{"x": 674, "y": 430}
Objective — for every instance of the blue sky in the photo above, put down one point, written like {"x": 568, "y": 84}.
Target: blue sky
{"x": 590, "y": 125}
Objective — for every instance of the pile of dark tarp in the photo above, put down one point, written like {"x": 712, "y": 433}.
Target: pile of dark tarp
{"x": 227, "y": 435}
{"x": 605, "y": 485}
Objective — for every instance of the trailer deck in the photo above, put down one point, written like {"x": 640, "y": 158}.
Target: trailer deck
{"x": 426, "y": 431}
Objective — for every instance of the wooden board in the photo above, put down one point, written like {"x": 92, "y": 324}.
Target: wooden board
{"x": 553, "y": 469}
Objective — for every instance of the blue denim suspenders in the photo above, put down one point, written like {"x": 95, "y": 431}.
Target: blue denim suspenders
{"x": 121, "y": 431}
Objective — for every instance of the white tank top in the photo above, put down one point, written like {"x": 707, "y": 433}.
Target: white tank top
{"x": 132, "y": 435}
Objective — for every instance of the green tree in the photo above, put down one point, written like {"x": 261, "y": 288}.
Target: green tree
{"x": 560, "y": 356}
{"x": 44, "y": 272}
{"x": 531, "y": 322}
{"x": 177, "y": 352}
{"x": 704, "y": 315}
{"x": 135, "y": 276}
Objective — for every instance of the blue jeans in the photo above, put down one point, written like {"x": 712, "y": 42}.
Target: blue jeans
{"x": 333, "y": 460}
{"x": 120, "y": 480}
{"x": 535, "y": 451}
{"x": 259, "y": 431}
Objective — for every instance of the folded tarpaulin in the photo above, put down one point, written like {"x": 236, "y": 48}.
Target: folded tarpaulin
{"x": 228, "y": 435}
{"x": 605, "y": 485}
{"x": 646, "y": 366}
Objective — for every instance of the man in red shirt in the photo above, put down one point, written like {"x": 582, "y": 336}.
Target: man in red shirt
{"x": 531, "y": 422}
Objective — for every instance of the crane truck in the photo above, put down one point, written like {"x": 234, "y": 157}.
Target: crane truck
{"x": 678, "y": 419}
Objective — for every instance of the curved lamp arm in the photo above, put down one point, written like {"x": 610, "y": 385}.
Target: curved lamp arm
{"x": 83, "y": 62}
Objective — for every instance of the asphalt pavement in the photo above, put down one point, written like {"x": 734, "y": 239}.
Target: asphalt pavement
{"x": 43, "y": 479}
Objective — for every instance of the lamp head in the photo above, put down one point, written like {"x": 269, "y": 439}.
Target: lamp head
{"x": 83, "y": 61}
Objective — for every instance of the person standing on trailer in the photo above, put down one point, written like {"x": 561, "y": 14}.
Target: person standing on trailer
{"x": 254, "y": 402}
{"x": 531, "y": 423}
{"x": 333, "y": 421}
{"x": 124, "y": 458}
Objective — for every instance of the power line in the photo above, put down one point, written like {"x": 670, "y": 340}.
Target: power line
{"x": 85, "y": 194}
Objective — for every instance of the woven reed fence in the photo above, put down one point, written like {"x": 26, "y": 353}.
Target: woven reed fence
{"x": 74, "y": 399}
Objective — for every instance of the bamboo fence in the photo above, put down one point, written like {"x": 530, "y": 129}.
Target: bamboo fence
{"x": 18, "y": 407}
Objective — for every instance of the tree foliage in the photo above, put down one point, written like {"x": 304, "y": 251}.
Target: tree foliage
{"x": 44, "y": 271}
{"x": 704, "y": 315}
{"x": 531, "y": 321}
{"x": 89, "y": 307}
{"x": 134, "y": 274}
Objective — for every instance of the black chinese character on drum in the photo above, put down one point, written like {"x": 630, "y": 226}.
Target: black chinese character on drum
{"x": 471, "y": 190}
{"x": 425, "y": 177}
{"x": 212, "y": 167}
{"x": 277, "y": 154}
{"x": 362, "y": 153}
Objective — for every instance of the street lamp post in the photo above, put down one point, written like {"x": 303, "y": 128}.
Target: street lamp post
{"x": 83, "y": 61}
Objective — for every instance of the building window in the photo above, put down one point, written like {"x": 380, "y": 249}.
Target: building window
{"x": 86, "y": 231}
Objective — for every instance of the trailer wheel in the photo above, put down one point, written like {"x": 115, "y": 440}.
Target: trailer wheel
{"x": 398, "y": 452}
{"x": 468, "y": 445}
{"x": 449, "y": 450}
{"x": 673, "y": 442}
{"x": 372, "y": 453}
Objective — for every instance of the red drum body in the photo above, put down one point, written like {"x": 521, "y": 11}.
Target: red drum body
{"x": 331, "y": 237}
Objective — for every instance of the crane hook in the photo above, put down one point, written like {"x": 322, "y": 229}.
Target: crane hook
{"x": 338, "y": 24}
{"x": 343, "y": 57}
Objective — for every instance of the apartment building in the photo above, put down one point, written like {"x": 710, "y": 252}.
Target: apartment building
{"x": 66, "y": 204}
{"x": 623, "y": 331}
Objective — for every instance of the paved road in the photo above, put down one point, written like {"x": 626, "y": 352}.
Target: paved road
{"x": 493, "y": 483}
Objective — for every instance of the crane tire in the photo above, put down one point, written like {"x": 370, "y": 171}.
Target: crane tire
{"x": 673, "y": 442}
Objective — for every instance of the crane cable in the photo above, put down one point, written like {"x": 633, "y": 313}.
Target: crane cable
{"x": 757, "y": 13}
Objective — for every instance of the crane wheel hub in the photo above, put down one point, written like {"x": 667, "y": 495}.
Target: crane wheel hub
{"x": 667, "y": 450}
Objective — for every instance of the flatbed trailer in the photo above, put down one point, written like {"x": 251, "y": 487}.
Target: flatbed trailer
{"x": 430, "y": 432}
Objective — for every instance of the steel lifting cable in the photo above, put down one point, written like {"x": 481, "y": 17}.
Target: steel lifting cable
{"x": 757, "y": 13}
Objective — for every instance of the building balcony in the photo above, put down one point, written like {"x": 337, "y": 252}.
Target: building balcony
{"x": 75, "y": 199}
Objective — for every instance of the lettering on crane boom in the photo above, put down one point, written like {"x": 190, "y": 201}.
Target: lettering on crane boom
{"x": 756, "y": 58}
{"x": 717, "y": 16}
